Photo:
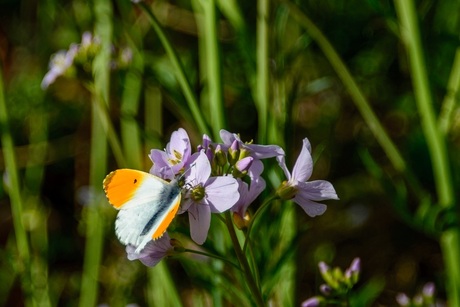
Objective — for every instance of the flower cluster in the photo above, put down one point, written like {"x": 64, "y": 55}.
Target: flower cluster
{"x": 338, "y": 283}
{"x": 227, "y": 176}
{"x": 424, "y": 299}
{"x": 79, "y": 58}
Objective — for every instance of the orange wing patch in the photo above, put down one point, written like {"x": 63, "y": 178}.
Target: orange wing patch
{"x": 121, "y": 185}
{"x": 167, "y": 219}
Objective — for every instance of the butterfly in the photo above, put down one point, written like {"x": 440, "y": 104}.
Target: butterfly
{"x": 147, "y": 205}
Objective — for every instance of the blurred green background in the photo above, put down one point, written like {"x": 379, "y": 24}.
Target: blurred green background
{"x": 52, "y": 133}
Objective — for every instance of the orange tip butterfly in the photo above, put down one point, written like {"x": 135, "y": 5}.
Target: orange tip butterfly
{"x": 147, "y": 205}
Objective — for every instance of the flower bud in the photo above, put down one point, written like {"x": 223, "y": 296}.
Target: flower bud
{"x": 428, "y": 290}
{"x": 242, "y": 166}
{"x": 234, "y": 153}
{"x": 328, "y": 275}
{"x": 241, "y": 222}
{"x": 220, "y": 156}
{"x": 403, "y": 299}
{"x": 315, "y": 301}
{"x": 325, "y": 289}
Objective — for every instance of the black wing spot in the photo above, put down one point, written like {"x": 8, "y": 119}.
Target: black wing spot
{"x": 135, "y": 180}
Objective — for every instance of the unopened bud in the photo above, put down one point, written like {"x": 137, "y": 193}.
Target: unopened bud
{"x": 220, "y": 156}
{"x": 234, "y": 153}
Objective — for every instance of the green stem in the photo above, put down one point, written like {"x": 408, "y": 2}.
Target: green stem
{"x": 450, "y": 239}
{"x": 213, "y": 65}
{"x": 262, "y": 96}
{"x": 355, "y": 92}
{"x": 212, "y": 256}
{"x": 178, "y": 68}
{"x": 255, "y": 216}
{"x": 98, "y": 157}
{"x": 452, "y": 96}
{"x": 23, "y": 261}
{"x": 255, "y": 291}
{"x": 436, "y": 143}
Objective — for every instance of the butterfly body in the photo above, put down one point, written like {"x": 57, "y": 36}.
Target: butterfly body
{"x": 147, "y": 205}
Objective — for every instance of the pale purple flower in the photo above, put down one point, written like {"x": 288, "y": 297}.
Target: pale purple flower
{"x": 168, "y": 163}
{"x": 249, "y": 192}
{"x": 59, "y": 64}
{"x": 302, "y": 192}
{"x": 428, "y": 290}
{"x": 255, "y": 150}
{"x": 153, "y": 252}
{"x": 206, "y": 195}
{"x": 402, "y": 299}
{"x": 313, "y": 302}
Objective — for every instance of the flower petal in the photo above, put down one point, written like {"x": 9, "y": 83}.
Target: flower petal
{"x": 304, "y": 164}
{"x": 317, "y": 190}
{"x": 310, "y": 207}
{"x": 153, "y": 252}
{"x": 227, "y": 137}
{"x": 200, "y": 169}
{"x": 222, "y": 193}
{"x": 199, "y": 217}
{"x": 282, "y": 163}
{"x": 264, "y": 151}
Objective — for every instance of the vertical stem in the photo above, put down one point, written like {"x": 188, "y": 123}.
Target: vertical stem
{"x": 23, "y": 260}
{"x": 250, "y": 280}
{"x": 450, "y": 239}
{"x": 178, "y": 69}
{"x": 262, "y": 97}
{"x": 130, "y": 133}
{"x": 98, "y": 159}
{"x": 452, "y": 96}
{"x": 213, "y": 65}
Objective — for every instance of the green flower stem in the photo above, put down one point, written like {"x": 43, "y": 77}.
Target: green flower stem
{"x": 213, "y": 256}
{"x": 355, "y": 92}
{"x": 213, "y": 65}
{"x": 178, "y": 68}
{"x": 255, "y": 291}
{"x": 94, "y": 219}
{"x": 450, "y": 240}
{"x": 255, "y": 216}
{"x": 23, "y": 261}
{"x": 100, "y": 109}
{"x": 129, "y": 128}
{"x": 262, "y": 79}
{"x": 436, "y": 143}
{"x": 452, "y": 96}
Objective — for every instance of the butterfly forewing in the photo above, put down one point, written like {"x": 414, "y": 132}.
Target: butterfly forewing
{"x": 147, "y": 204}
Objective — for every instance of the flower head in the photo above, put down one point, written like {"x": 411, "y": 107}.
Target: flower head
{"x": 206, "y": 195}
{"x": 59, "y": 64}
{"x": 302, "y": 192}
{"x": 254, "y": 150}
{"x": 168, "y": 163}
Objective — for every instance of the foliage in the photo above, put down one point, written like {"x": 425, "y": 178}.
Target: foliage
{"x": 372, "y": 84}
